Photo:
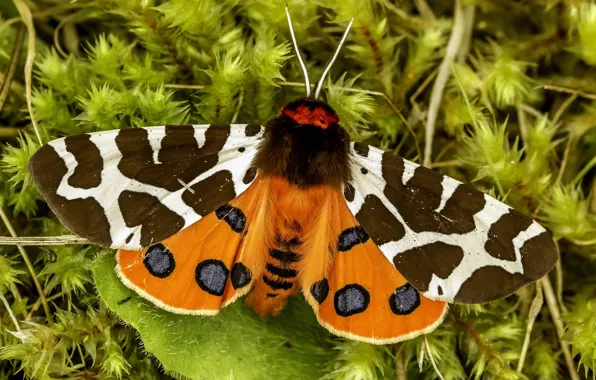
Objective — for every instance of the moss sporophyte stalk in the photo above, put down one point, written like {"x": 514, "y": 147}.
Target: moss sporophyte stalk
{"x": 515, "y": 118}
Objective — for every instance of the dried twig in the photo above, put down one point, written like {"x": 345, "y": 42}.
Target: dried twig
{"x": 551, "y": 302}
{"x": 9, "y": 310}
{"x": 43, "y": 240}
{"x": 569, "y": 91}
{"x": 42, "y": 297}
{"x": 12, "y": 65}
{"x": 432, "y": 360}
{"x": 25, "y": 13}
{"x": 9, "y": 132}
{"x": 535, "y": 308}
{"x": 455, "y": 42}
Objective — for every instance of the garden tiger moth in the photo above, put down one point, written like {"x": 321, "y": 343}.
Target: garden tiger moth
{"x": 204, "y": 214}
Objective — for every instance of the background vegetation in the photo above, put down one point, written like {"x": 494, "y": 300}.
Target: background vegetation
{"x": 527, "y": 136}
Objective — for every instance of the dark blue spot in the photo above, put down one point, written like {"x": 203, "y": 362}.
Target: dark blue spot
{"x": 240, "y": 276}
{"x": 211, "y": 276}
{"x": 350, "y": 237}
{"x": 233, "y": 216}
{"x": 351, "y": 299}
{"x": 404, "y": 300}
{"x": 319, "y": 290}
{"x": 159, "y": 261}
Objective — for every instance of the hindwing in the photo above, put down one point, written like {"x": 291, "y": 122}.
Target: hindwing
{"x": 451, "y": 241}
{"x": 131, "y": 188}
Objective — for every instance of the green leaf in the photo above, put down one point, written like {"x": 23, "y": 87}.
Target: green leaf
{"x": 235, "y": 344}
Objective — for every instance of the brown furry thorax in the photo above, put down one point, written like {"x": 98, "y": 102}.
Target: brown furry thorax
{"x": 306, "y": 145}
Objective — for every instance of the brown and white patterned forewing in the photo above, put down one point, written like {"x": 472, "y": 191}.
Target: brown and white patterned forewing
{"x": 131, "y": 188}
{"x": 451, "y": 241}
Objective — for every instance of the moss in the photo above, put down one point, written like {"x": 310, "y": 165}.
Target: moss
{"x": 129, "y": 63}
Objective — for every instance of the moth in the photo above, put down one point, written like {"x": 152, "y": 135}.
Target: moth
{"x": 204, "y": 214}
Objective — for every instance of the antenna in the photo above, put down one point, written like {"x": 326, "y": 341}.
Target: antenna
{"x": 298, "y": 52}
{"x": 343, "y": 39}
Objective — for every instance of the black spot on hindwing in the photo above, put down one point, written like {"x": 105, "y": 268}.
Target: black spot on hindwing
{"x": 404, "y": 300}
{"x": 319, "y": 290}
{"x": 351, "y": 299}
{"x": 233, "y": 216}
{"x": 240, "y": 275}
{"x": 350, "y": 237}
{"x": 211, "y": 276}
{"x": 159, "y": 261}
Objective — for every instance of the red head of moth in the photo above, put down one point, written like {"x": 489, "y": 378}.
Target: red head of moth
{"x": 204, "y": 214}
{"x": 311, "y": 112}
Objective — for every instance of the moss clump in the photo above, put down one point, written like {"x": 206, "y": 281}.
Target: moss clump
{"x": 519, "y": 118}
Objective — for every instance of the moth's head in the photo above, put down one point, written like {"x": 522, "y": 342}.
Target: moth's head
{"x": 309, "y": 111}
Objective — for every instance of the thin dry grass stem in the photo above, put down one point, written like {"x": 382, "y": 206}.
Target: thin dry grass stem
{"x": 238, "y": 107}
{"x": 523, "y": 127}
{"x": 62, "y": 23}
{"x": 531, "y": 110}
{"x": 584, "y": 243}
{"x": 563, "y": 108}
{"x": 42, "y": 297}
{"x": 564, "y": 161}
{"x": 421, "y": 88}
{"x": 374, "y": 93}
{"x": 535, "y": 308}
{"x": 421, "y": 358}
{"x": 9, "y": 22}
{"x": 469, "y": 15}
{"x": 453, "y": 46}
{"x": 12, "y": 65}
{"x": 551, "y": 302}
{"x": 185, "y": 86}
{"x": 561, "y": 171}
{"x": 25, "y": 13}
{"x": 425, "y": 11}
{"x": 9, "y": 132}
{"x": 444, "y": 150}
{"x": 400, "y": 364}
{"x": 571, "y": 91}
{"x": 432, "y": 359}
{"x": 9, "y": 310}
{"x": 37, "y": 304}
{"x": 446, "y": 164}
{"x": 559, "y": 284}
{"x": 43, "y": 240}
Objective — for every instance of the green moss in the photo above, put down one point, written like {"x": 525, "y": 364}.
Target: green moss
{"x": 121, "y": 63}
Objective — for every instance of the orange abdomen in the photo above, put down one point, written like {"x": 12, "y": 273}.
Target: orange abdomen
{"x": 293, "y": 210}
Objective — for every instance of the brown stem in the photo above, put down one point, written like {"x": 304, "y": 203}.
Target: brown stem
{"x": 12, "y": 65}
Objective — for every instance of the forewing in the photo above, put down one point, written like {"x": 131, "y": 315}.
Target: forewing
{"x": 131, "y": 188}
{"x": 207, "y": 265}
{"x": 451, "y": 241}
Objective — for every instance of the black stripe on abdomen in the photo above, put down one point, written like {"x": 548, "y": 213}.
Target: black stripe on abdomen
{"x": 281, "y": 272}
{"x": 285, "y": 257}
{"x": 277, "y": 284}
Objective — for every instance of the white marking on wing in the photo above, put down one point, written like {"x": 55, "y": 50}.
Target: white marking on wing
{"x": 155, "y": 136}
{"x": 409, "y": 168}
{"x": 449, "y": 185}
